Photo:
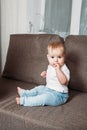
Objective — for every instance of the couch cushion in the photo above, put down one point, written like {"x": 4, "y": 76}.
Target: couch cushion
{"x": 76, "y": 47}
{"x": 70, "y": 116}
{"x": 26, "y": 57}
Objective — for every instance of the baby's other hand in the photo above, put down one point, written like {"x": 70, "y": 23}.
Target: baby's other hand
{"x": 43, "y": 74}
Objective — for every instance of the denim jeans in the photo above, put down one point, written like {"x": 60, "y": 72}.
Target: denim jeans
{"x": 41, "y": 96}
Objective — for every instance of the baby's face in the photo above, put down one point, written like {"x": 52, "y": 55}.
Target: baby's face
{"x": 56, "y": 56}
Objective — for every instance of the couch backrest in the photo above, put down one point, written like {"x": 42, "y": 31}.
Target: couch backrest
{"x": 27, "y": 56}
{"x": 76, "y": 48}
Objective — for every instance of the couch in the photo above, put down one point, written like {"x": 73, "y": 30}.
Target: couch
{"x": 26, "y": 59}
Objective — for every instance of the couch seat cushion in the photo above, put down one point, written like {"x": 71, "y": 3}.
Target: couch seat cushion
{"x": 70, "y": 116}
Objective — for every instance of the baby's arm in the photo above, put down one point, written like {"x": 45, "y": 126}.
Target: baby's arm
{"x": 60, "y": 75}
{"x": 43, "y": 74}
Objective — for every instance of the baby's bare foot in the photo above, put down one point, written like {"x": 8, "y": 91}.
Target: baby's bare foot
{"x": 18, "y": 100}
{"x": 19, "y": 90}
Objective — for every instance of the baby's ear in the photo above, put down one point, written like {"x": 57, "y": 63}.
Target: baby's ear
{"x": 47, "y": 56}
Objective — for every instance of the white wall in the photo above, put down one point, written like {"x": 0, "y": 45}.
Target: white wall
{"x": 75, "y": 16}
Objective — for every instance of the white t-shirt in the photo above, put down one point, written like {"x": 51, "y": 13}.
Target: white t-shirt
{"x": 52, "y": 80}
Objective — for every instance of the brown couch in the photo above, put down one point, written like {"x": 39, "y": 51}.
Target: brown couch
{"x": 26, "y": 59}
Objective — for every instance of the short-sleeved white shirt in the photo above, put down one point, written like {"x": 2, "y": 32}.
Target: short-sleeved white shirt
{"x": 52, "y": 80}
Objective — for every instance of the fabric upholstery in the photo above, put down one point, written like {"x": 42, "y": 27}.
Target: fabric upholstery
{"x": 27, "y": 57}
{"x": 70, "y": 116}
{"x": 76, "y": 48}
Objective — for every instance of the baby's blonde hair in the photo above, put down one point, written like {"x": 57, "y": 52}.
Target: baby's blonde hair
{"x": 55, "y": 45}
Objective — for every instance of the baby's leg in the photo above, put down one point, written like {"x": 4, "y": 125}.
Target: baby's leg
{"x": 39, "y": 100}
{"x": 33, "y": 92}
{"x": 23, "y": 92}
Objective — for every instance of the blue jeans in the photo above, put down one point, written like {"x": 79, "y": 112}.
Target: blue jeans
{"x": 41, "y": 96}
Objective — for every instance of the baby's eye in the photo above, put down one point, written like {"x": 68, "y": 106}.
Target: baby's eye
{"x": 52, "y": 57}
{"x": 59, "y": 57}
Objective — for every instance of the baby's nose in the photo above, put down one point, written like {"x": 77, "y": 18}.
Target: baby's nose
{"x": 55, "y": 59}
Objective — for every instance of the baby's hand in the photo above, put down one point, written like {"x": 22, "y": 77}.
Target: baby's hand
{"x": 57, "y": 66}
{"x": 43, "y": 74}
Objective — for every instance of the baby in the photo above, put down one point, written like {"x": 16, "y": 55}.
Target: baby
{"x": 57, "y": 75}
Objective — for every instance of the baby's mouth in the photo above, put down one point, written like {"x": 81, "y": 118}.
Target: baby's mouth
{"x": 55, "y": 64}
